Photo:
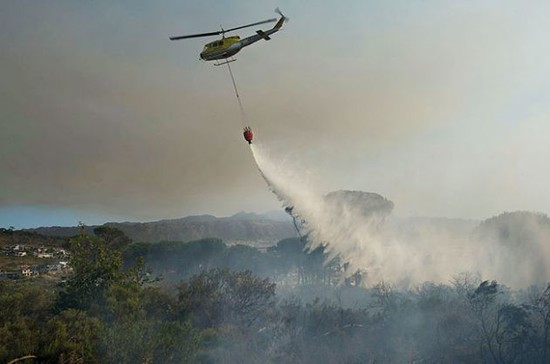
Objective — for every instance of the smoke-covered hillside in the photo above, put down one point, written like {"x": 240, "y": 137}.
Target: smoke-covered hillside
{"x": 207, "y": 302}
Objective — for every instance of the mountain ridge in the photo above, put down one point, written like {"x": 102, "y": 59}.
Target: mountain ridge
{"x": 243, "y": 227}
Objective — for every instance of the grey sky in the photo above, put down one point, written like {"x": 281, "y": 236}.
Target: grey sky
{"x": 441, "y": 106}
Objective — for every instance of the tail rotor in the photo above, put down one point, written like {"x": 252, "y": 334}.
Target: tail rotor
{"x": 278, "y": 11}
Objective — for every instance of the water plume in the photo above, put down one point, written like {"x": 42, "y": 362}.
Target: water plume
{"x": 359, "y": 229}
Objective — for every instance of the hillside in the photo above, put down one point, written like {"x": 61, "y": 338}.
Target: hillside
{"x": 13, "y": 237}
{"x": 245, "y": 228}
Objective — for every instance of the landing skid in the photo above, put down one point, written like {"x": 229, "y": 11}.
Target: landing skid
{"x": 227, "y": 61}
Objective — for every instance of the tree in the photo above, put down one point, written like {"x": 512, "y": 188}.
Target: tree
{"x": 94, "y": 268}
{"x": 149, "y": 340}
{"x": 73, "y": 335}
{"x": 503, "y": 328}
{"x": 244, "y": 257}
{"x": 220, "y": 296}
{"x": 175, "y": 259}
{"x": 540, "y": 310}
{"x": 233, "y": 309}
{"x": 483, "y": 303}
{"x": 24, "y": 307}
{"x": 113, "y": 237}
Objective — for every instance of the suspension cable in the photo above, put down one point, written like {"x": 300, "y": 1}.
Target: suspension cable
{"x": 243, "y": 115}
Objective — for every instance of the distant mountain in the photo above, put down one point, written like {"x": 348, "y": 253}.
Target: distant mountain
{"x": 518, "y": 229}
{"x": 245, "y": 228}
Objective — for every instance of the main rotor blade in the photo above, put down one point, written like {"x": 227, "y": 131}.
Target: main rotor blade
{"x": 196, "y": 35}
{"x": 221, "y": 31}
{"x": 251, "y": 25}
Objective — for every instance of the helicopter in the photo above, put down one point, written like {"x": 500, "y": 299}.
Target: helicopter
{"x": 226, "y": 47}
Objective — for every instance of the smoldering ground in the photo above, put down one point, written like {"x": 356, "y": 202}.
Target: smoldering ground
{"x": 511, "y": 248}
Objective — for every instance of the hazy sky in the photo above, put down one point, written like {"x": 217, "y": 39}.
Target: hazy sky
{"x": 441, "y": 106}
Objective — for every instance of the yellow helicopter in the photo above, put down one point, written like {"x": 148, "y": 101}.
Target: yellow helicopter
{"x": 229, "y": 46}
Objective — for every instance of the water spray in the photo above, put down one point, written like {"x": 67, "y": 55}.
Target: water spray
{"x": 367, "y": 242}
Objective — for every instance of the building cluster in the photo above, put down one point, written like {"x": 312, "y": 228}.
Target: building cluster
{"x": 57, "y": 261}
{"x": 20, "y": 250}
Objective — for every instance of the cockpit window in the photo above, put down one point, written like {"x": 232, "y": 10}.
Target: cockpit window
{"x": 215, "y": 44}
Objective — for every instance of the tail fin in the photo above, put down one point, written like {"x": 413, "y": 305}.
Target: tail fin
{"x": 281, "y": 20}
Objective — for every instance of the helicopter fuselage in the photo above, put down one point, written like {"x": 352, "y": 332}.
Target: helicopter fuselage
{"x": 229, "y": 46}
{"x": 221, "y": 48}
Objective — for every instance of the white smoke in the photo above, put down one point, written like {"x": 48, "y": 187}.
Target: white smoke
{"x": 403, "y": 252}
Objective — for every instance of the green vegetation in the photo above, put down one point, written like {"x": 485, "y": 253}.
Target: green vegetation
{"x": 221, "y": 306}
{"x": 12, "y": 237}
{"x": 106, "y": 312}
